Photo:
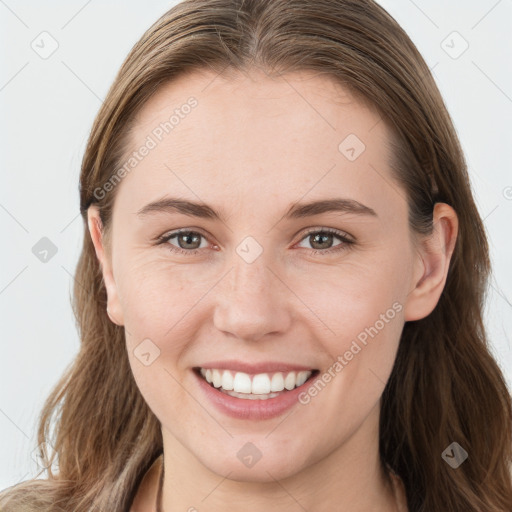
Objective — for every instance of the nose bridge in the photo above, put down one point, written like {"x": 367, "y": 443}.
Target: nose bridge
{"x": 251, "y": 304}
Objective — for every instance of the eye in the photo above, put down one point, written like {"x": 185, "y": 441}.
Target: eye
{"x": 323, "y": 239}
{"x": 189, "y": 242}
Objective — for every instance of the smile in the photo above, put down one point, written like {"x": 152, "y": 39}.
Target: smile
{"x": 261, "y": 386}
{"x": 253, "y": 390}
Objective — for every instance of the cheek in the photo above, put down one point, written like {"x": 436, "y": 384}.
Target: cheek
{"x": 347, "y": 300}
{"x": 360, "y": 311}
{"x": 156, "y": 306}
{"x": 157, "y": 297}
{"x": 157, "y": 302}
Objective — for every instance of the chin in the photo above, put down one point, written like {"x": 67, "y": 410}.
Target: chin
{"x": 251, "y": 464}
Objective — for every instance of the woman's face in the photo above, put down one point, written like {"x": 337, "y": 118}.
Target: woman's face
{"x": 271, "y": 286}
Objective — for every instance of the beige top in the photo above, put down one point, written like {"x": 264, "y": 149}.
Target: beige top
{"x": 145, "y": 498}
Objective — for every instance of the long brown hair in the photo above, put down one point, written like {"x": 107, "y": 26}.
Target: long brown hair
{"x": 445, "y": 385}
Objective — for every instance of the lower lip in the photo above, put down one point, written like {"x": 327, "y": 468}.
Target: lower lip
{"x": 246, "y": 409}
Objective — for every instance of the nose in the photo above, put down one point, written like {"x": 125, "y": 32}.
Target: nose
{"x": 252, "y": 301}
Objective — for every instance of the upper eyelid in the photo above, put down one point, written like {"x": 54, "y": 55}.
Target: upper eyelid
{"x": 332, "y": 231}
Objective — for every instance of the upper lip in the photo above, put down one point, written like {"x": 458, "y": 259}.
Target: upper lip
{"x": 255, "y": 368}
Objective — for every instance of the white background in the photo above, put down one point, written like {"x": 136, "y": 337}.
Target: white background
{"x": 48, "y": 106}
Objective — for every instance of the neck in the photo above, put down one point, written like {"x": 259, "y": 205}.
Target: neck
{"x": 351, "y": 479}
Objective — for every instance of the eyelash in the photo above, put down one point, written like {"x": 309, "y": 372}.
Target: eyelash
{"x": 347, "y": 242}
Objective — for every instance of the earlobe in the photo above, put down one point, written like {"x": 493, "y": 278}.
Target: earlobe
{"x": 96, "y": 232}
{"x": 432, "y": 264}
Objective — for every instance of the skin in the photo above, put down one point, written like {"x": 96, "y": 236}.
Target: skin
{"x": 252, "y": 147}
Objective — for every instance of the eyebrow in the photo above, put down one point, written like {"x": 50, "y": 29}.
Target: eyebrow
{"x": 296, "y": 210}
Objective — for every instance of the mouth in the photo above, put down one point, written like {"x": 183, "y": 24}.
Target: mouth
{"x": 260, "y": 386}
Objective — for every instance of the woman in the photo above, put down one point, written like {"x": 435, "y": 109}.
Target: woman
{"x": 281, "y": 286}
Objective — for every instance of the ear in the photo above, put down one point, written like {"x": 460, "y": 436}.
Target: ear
{"x": 96, "y": 231}
{"x": 432, "y": 263}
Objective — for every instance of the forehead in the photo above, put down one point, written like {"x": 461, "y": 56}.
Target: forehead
{"x": 242, "y": 136}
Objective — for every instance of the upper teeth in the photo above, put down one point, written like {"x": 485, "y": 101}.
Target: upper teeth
{"x": 262, "y": 383}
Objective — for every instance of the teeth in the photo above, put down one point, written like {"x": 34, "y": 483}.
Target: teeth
{"x": 277, "y": 383}
{"x": 289, "y": 382}
{"x": 302, "y": 377}
{"x": 227, "y": 381}
{"x": 250, "y": 396}
{"x": 242, "y": 383}
{"x": 260, "y": 384}
{"x": 216, "y": 378}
